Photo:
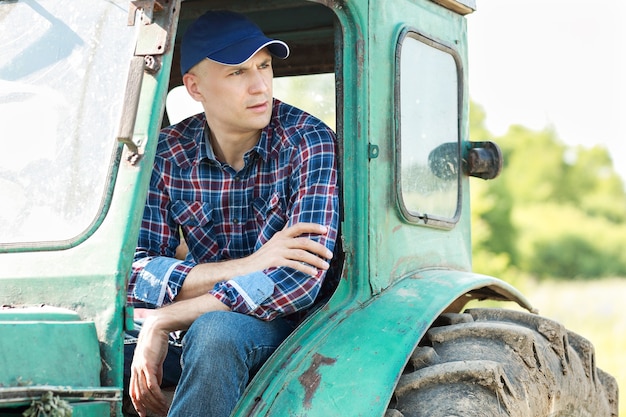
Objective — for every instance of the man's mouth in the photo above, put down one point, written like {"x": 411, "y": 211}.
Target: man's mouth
{"x": 259, "y": 106}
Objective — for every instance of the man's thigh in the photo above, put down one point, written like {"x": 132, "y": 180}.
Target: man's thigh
{"x": 216, "y": 335}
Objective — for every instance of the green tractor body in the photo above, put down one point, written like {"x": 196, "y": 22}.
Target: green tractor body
{"x": 83, "y": 88}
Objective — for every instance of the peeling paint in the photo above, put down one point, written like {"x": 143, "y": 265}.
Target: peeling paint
{"x": 310, "y": 379}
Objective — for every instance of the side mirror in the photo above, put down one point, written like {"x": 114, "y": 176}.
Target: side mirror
{"x": 484, "y": 160}
{"x": 481, "y": 159}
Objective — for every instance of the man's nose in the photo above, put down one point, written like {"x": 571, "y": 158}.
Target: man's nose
{"x": 259, "y": 83}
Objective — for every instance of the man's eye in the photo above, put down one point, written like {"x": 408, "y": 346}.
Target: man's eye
{"x": 238, "y": 72}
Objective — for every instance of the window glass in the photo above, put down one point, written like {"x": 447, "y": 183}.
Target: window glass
{"x": 62, "y": 77}
{"x": 314, "y": 94}
{"x": 429, "y": 138}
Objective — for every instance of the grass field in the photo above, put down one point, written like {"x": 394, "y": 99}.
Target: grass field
{"x": 594, "y": 309}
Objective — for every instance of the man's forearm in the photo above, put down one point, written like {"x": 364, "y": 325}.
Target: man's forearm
{"x": 203, "y": 277}
{"x": 285, "y": 248}
{"x": 180, "y": 315}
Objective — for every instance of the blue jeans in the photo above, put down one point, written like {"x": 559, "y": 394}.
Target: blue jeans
{"x": 221, "y": 352}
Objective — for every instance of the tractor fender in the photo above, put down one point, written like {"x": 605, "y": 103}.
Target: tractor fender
{"x": 347, "y": 361}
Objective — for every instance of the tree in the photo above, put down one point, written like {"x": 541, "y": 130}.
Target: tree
{"x": 493, "y": 234}
{"x": 554, "y": 211}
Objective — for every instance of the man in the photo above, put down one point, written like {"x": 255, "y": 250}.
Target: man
{"x": 252, "y": 185}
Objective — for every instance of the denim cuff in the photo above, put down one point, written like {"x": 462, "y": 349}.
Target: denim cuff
{"x": 254, "y": 288}
{"x": 152, "y": 283}
{"x": 244, "y": 294}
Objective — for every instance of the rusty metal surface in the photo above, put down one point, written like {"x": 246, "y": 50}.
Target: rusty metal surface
{"x": 347, "y": 361}
{"x": 311, "y": 378}
{"x": 156, "y": 20}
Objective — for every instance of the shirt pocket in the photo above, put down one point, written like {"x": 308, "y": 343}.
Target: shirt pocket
{"x": 191, "y": 213}
{"x": 196, "y": 220}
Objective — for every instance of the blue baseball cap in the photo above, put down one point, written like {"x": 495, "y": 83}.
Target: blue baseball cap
{"x": 225, "y": 37}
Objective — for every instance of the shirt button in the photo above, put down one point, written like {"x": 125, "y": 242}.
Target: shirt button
{"x": 236, "y": 221}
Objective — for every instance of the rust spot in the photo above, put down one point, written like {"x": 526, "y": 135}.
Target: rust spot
{"x": 310, "y": 379}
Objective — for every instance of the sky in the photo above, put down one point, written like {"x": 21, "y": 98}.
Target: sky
{"x": 552, "y": 63}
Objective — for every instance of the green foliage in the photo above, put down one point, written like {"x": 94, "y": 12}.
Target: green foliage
{"x": 595, "y": 186}
{"x": 563, "y": 241}
{"x": 555, "y": 211}
{"x": 493, "y": 232}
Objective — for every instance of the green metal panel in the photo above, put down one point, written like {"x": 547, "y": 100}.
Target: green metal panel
{"x": 91, "y": 409}
{"x": 353, "y": 130}
{"x": 43, "y": 313}
{"x": 48, "y": 349}
{"x": 397, "y": 247}
{"x": 347, "y": 362}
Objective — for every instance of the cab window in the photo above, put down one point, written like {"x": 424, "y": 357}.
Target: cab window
{"x": 429, "y": 147}
{"x": 61, "y": 94}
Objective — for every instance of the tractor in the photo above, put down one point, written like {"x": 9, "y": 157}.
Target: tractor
{"x": 84, "y": 90}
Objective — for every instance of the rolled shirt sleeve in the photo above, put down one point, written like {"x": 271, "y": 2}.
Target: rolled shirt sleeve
{"x": 157, "y": 281}
{"x": 245, "y": 293}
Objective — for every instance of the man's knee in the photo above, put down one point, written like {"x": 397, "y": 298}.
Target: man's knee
{"x": 214, "y": 331}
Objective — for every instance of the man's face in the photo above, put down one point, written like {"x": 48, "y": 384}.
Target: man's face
{"x": 236, "y": 99}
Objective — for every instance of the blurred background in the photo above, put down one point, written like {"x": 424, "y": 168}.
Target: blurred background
{"x": 547, "y": 84}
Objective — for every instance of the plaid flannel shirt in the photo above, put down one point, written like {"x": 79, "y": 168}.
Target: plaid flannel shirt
{"x": 290, "y": 176}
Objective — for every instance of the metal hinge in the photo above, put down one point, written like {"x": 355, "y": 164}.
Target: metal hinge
{"x": 148, "y": 7}
{"x": 158, "y": 22}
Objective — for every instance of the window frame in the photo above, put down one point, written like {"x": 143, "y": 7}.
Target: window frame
{"x": 413, "y": 217}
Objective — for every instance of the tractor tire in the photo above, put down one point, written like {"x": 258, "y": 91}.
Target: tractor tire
{"x": 495, "y": 362}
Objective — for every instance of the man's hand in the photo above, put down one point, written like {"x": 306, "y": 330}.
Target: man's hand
{"x": 288, "y": 248}
{"x": 147, "y": 370}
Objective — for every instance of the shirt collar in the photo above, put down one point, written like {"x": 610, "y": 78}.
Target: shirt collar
{"x": 267, "y": 145}
{"x": 206, "y": 151}
{"x": 270, "y": 141}
{"x": 262, "y": 146}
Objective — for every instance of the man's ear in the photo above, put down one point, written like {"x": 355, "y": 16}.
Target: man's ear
{"x": 191, "y": 84}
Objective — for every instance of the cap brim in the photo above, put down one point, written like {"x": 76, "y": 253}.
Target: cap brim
{"x": 244, "y": 50}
